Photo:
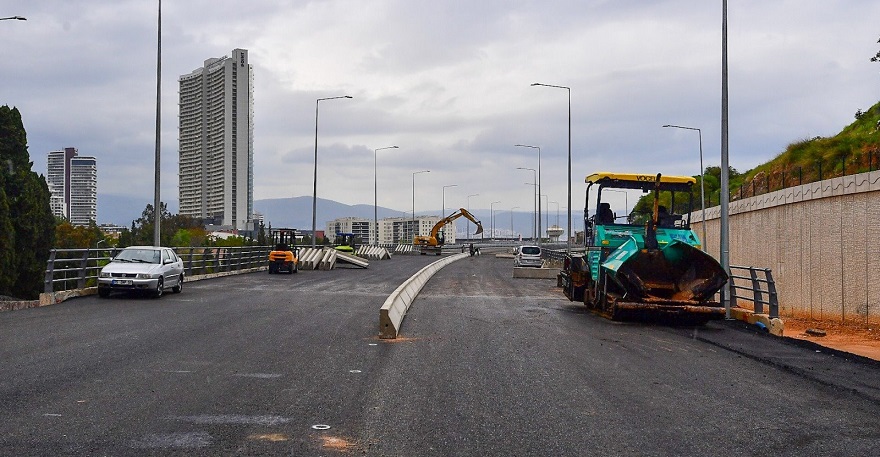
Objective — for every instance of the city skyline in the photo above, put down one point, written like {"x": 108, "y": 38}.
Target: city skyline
{"x": 450, "y": 86}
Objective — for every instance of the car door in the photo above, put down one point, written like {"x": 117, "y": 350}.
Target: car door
{"x": 170, "y": 267}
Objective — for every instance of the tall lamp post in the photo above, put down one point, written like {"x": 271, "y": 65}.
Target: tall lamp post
{"x": 416, "y": 231}
{"x": 376, "y": 191}
{"x": 444, "y": 199}
{"x": 469, "y": 210}
{"x": 443, "y": 204}
{"x": 725, "y": 185}
{"x": 157, "y": 208}
{"x": 315, "y": 179}
{"x": 511, "y": 221}
{"x": 536, "y": 221}
{"x": 702, "y": 186}
{"x": 538, "y": 181}
{"x": 546, "y": 212}
{"x": 557, "y": 213}
{"x": 492, "y": 218}
{"x": 568, "y": 232}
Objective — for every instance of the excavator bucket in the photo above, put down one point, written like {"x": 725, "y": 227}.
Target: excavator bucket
{"x": 479, "y": 229}
{"x": 677, "y": 272}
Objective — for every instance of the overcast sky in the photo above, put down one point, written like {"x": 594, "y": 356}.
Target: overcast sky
{"x": 446, "y": 81}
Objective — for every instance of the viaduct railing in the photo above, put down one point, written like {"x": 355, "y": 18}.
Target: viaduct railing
{"x": 70, "y": 269}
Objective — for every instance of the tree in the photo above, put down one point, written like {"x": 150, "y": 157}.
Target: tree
{"x": 26, "y": 209}
{"x": 876, "y": 57}
{"x": 69, "y": 236}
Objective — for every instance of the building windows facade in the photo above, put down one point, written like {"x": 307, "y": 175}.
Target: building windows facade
{"x": 73, "y": 184}
{"x": 215, "y": 126}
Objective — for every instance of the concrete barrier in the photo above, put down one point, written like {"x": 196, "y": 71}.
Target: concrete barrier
{"x": 394, "y": 309}
{"x": 774, "y": 326}
{"x": 352, "y": 260}
{"x": 535, "y": 273}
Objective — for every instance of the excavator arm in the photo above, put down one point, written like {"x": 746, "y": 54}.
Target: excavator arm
{"x": 432, "y": 239}
{"x": 448, "y": 219}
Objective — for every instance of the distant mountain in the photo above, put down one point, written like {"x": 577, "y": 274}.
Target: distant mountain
{"x": 296, "y": 212}
{"x": 122, "y": 210}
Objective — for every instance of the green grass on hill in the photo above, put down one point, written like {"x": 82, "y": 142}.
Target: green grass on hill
{"x": 857, "y": 147}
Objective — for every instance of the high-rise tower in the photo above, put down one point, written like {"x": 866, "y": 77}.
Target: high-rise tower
{"x": 216, "y": 144}
{"x": 73, "y": 182}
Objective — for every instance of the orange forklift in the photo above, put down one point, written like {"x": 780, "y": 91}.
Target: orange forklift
{"x": 283, "y": 258}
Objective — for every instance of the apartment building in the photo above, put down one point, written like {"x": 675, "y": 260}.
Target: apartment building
{"x": 73, "y": 184}
{"x": 216, "y": 146}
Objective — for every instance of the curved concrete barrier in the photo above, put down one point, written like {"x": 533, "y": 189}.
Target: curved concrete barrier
{"x": 394, "y": 309}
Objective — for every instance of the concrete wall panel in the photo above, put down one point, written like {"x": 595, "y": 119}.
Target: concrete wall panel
{"x": 822, "y": 241}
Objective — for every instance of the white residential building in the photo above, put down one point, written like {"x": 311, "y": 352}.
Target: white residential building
{"x": 392, "y": 230}
{"x": 216, "y": 145}
{"x": 73, "y": 183}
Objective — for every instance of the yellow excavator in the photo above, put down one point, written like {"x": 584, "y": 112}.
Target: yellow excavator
{"x": 434, "y": 242}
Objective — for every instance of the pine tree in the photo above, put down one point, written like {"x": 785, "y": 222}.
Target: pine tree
{"x": 27, "y": 209}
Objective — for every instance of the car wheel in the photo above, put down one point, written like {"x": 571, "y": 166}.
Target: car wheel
{"x": 103, "y": 292}
{"x": 160, "y": 288}
{"x": 272, "y": 268}
{"x": 179, "y": 287}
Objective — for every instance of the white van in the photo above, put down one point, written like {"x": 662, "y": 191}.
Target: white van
{"x": 527, "y": 256}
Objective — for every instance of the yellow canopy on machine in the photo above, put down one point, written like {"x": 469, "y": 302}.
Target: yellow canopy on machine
{"x": 634, "y": 177}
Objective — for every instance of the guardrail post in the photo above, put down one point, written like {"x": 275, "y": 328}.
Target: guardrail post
{"x": 83, "y": 269}
{"x": 50, "y": 273}
{"x": 730, "y": 288}
{"x": 756, "y": 289}
{"x": 774, "y": 299}
{"x": 189, "y": 262}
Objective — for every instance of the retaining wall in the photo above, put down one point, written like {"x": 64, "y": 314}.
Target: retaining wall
{"x": 822, "y": 241}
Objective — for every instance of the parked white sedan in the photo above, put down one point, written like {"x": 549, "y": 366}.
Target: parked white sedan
{"x": 142, "y": 268}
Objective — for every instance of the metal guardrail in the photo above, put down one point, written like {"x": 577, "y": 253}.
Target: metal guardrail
{"x": 759, "y": 287}
{"x": 70, "y": 269}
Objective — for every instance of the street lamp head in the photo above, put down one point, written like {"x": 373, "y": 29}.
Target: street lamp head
{"x": 15, "y": 18}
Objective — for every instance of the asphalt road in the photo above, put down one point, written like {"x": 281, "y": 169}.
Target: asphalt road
{"x": 251, "y": 364}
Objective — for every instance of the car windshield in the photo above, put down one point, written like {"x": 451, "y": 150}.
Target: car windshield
{"x": 139, "y": 255}
{"x": 531, "y": 250}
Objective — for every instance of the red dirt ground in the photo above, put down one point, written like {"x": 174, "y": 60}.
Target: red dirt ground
{"x": 853, "y": 339}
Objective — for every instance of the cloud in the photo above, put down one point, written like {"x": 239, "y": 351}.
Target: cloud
{"x": 448, "y": 82}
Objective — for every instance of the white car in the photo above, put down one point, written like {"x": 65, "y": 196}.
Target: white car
{"x": 527, "y": 256}
{"x": 142, "y": 268}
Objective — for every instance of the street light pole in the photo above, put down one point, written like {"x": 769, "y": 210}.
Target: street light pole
{"x": 492, "y": 218}
{"x": 511, "y": 221}
{"x": 568, "y": 232}
{"x": 444, "y": 199}
{"x": 536, "y": 220}
{"x": 725, "y": 185}
{"x": 538, "y": 181}
{"x": 315, "y": 178}
{"x": 416, "y": 231}
{"x": 469, "y": 210}
{"x": 702, "y": 186}
{"x": 557, "y": 214}
{"x": 157, "y": 205}
{"x": 376, "y": 191}
{"x": 546, "y": 213}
